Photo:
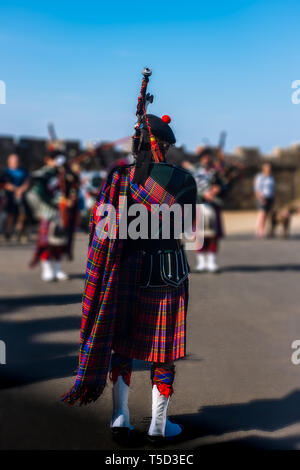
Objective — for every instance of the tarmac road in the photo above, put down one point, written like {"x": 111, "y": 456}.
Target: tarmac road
{"x": 237, "y": 386}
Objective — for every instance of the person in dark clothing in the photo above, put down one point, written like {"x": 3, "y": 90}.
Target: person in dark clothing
{"x": 209, "y": 186}
{"x": 136, "y": 291}
{"x": 15, "y": 182}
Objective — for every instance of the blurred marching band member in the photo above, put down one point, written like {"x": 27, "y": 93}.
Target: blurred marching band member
{"x": 209, "y": 188}
{"x": 53, "y": 199}
{"x": 264, "y": 187}
{"x": 69, "y": 185}
{"x": 15, "y": 182}
{"x": 2, "y": 203}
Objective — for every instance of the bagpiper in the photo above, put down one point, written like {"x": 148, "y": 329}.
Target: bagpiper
{"x": 136, "y": 290}
{"x": 53, "y": 200}
{"x": 210, "y": 188}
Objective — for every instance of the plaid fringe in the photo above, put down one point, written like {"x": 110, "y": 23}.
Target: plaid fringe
{"x": 83, "y": 395}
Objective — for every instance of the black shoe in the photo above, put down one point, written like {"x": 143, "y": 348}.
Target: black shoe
{"x": 126, "y": 436}
{"x": 162, "y": 440}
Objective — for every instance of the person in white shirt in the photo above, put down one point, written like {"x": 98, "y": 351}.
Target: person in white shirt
{"x": 264, "y": 187}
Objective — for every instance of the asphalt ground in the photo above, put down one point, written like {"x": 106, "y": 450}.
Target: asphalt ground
{"x": 236, "y": 387}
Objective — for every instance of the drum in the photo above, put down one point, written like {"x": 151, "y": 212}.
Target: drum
{"x": 210, "y": 220}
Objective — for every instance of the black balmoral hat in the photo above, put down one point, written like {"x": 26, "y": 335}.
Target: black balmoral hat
{"x": 160, "y": 128}
{"x": 206, "y": 151}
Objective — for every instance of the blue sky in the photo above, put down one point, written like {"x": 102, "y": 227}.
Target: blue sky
{"x": 216, "y": 65}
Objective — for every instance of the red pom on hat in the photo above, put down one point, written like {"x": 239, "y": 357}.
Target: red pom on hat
{"x": 166, "y": 119}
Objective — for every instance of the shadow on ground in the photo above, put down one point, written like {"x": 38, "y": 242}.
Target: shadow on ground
{"x": 261, "y": 268}
{"x": 47, "y": 426}
{"x": 28, "y": 359}
{"x": 267, "y": 415}
{"x": 47, "y": 361}
{"x": 9, "y": 304}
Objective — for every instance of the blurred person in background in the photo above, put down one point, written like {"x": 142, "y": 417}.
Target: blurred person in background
{"x": 209, "y": 189}
{"x": 90, "y": 182}
{"x": 15, "y": 181}
{"x": 2, "y": 204}
{"x": 264, "y": 187}
{"x": 69, "y": 187}
{"x": 187, "y": 165}
{"x": 46, "y": 198}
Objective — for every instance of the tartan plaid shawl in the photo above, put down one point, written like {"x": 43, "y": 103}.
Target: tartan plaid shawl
{"x": 99, "y": 301}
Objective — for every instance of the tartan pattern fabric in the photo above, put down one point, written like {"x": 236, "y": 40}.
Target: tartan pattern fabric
{"x": 150, "y": 322}
{"x": 120, "y": 365}
{"x": 41, "y": 243}
{"x": 43, "y": 250}
{"x": 162, "y": 375}
{"x": 154, "y": 188}
{"x": 150, "y": 193}
{"x": 163, "y": 378}
{"x": 42, "y": 238}
{"x": 98, "y": 303}
{"x": 161, "y": 310}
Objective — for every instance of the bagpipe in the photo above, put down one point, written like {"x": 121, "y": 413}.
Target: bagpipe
{"x": 150, "y": 160}
{"x": 68, "y": 172}
{"x": 229, "y": 171}
{"x": 141, "y": 112}
{"x": 93, "y": 151}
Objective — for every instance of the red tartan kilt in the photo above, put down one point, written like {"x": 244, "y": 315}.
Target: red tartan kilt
{"x": 150, "y": 322}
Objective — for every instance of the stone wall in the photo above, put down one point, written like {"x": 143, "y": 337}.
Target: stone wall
{"x": 287, "y": 179}
{"x": 286, "y": 171}
{"x": 32, "y": 150}
{"x": 286, "y": 166}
